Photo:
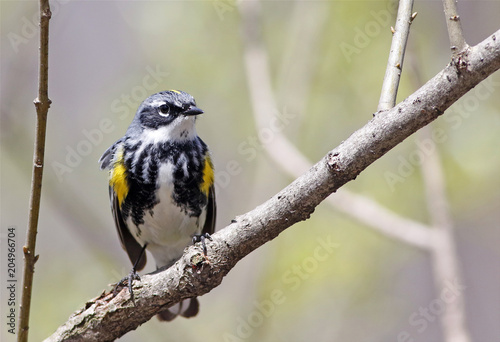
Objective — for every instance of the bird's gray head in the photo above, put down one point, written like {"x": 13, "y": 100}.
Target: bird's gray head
{"x": 166, "y": 108}
{"x": 172, "y": 113}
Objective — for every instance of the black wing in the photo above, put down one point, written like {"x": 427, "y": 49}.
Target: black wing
{"x": 209, "y": 226}
{"x": 107, "y": 156}
{"x": 129, "y": 244}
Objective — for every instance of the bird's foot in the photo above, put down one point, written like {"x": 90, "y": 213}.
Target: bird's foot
{"x": 201, "y": 238}
{"x": 127, "y": 281}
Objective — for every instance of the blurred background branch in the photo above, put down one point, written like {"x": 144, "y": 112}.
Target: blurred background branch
{"x": 445, "y": 258}
{"x": 296, "y": 68}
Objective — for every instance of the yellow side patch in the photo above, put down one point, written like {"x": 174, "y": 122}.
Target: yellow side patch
{"x": 118, "y": 178}
{"x": 208, "y": 176}
{"x": 175, "y": 91}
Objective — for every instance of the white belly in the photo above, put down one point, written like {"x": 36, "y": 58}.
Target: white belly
{"x": 169, "y": 230}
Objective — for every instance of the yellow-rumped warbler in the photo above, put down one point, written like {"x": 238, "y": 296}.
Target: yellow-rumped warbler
{"x": 161, "y": 186}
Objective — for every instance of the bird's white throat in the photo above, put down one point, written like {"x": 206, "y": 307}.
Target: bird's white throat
{"x": 182, "y": 128}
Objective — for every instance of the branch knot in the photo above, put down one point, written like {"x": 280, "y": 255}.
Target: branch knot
{"x": 333, "y": 162}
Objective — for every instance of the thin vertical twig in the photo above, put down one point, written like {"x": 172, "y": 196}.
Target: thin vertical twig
{"x": 454, "y": 25}
{"x": 396, "y": 55}
{"x": 42, "y": 104}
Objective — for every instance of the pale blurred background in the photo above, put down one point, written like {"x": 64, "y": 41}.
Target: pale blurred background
{"x": 327, "y": 61}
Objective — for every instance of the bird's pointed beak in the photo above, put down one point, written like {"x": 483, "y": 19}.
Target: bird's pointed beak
{"x": 192, "y": 110}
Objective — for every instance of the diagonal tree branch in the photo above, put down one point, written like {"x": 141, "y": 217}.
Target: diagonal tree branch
{"x": 105, "y": 318}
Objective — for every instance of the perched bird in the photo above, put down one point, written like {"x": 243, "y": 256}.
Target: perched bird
{"x": 161, "y": 186}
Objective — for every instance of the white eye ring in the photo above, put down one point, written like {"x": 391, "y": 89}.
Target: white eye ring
{"x": 164, "y": 110}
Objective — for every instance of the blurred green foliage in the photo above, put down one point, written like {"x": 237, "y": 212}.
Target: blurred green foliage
{"x": 104, "y": 55}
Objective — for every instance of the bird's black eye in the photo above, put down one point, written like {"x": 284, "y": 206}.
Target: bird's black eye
{"x": 164, "y": 110}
